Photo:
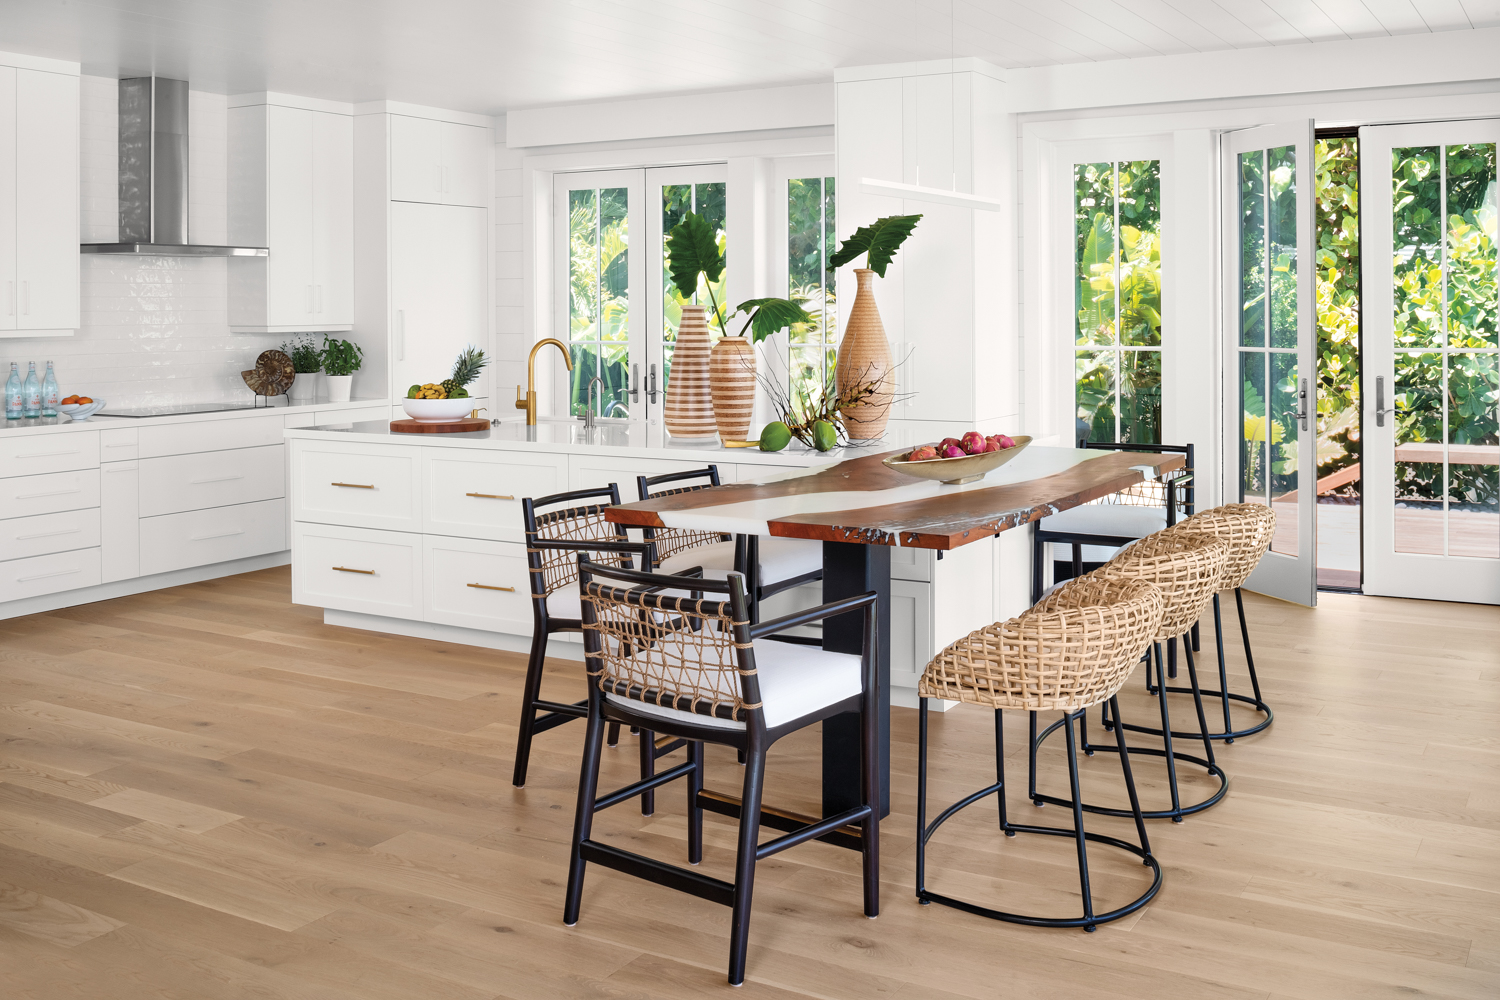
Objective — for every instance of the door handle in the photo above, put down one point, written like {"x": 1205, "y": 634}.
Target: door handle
{"x": 489, "y": 496}
{"x": 635, "y": 387}
{"x": 651, "y": 386}
{"x": 353, "y": 486}
{"x": 47, "y": 576}
{"x": 1380, "y": 407}
{"x": 52, "y": 493}
{"x": 1302, "y": 404}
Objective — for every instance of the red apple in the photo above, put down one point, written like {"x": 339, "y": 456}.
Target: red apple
{"x": 923, "y": 454}
{"x": 948, "y": 441}
{"x": 1006, "y": 441}
{"x": 972, "y": 442}
{"x": 951, "y": 451}
{"x": 991, "y": 445}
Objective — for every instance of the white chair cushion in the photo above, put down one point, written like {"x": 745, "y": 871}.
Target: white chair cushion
{"x": 564, "y": 602}
{"x": 795, "y": 680}
{"x": 1119, "y": 520}
{"x": 780, "y": 559}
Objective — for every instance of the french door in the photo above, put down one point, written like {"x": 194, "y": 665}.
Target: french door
{"x": 1271, "y": 346}
{"x": 618, "y": 310}
{"x": 1431, "y": 381}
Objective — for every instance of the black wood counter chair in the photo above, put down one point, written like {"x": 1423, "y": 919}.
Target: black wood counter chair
{"x": 770, "y": 564}
{"x": 554, "y": 537}
{"x": 1247, "y": 529}
{"x": 1187, "y": 569}
{"x": 1061, "y": 660}
{"x": 696, "y": 669}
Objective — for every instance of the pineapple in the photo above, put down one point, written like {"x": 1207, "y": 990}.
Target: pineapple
{"x": 465, "y": 370}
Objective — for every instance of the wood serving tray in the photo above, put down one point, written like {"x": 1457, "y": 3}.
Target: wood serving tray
{"x": 409, "y": 426}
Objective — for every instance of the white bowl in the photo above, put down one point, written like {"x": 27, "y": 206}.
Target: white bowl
{"x": 437, "y": 411}
{"x": 81, "y": 411}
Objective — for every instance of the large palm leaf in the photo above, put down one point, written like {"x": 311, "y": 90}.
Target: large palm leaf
{"x": 878, "y": 241}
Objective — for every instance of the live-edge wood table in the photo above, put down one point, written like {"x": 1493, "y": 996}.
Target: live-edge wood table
{"x": 859, "y": 509}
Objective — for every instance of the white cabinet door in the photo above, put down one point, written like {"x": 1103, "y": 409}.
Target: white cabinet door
{"x": 205, "y": 537}
{"x": 355, "y": 569}
{"x": 289, "y": 218}
{"x": 9, "y": 292}
{"x": 476, "y": 584}
{"x": 371, "y": 485}
{"x": 439, "y": 257}
{"x": 911, "y": 631}
{"x": 416, "y": 159}
{"x": 120, "y": 520}
{"x": 333, "y": 219}
{"x": 477, "y": 494}
{"x": 20, "y": 578}
{"x": 47, "y": 200}
{"x": 465, "y": 165}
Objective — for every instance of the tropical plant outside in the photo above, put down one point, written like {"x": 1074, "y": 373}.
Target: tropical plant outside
{"x": 598, "y": 296}
{"x": 811, "y": 347}
{"x": 1336, "y": 180}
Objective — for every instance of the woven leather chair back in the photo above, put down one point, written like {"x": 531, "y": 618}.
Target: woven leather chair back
{"x": 676, "y": 652}
{"x": 558, "y": 568}
{"x": 1186, "y": 567}
{"x": 1066, "y": 658}
{"x": 670, "y": 541}
{"x": 1245, "y": 527}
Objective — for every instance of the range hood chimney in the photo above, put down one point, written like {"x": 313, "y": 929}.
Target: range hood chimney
{"x": 154, "y": 175}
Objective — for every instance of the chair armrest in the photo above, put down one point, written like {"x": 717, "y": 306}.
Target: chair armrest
{"x": 812, "y": 614}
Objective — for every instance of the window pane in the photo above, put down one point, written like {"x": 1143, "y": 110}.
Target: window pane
{"x": 614, "y": 267}
{"x": 1418, "y": 272}
{"x": 1418, "y": 400}
{"x": 1473, "y": 454}
{"x": 1253, "y": 442}
{"x": 1471, "y": 245}
{"x": 1285, "y": 429}
{"x": 1281, "y": 226}
{"x": 810, "y": 219}
{"x": 707, "y": 200}
{"x": 583, "y": 264}
{"x": 1095, "y": 378}
{"x": 1140, "y": 397}
{"x": 1140, "y": 268}
{"x": 1252, "y": 249}
{"x": 1094, "y": 252}
{"x": 830, "y": 241}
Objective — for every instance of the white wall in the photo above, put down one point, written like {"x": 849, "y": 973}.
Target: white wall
{"x": 155, "y": 329}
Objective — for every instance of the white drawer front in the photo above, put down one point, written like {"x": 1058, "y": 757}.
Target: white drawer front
{"x": 212, "y": 435}
{"x": 357, "y": 569}
{"x": 42, "y": 533}
{"x": 212, "y": 479}
{"x": 201, "y": 537}
{"x": 35, "y": 454}
{"x": 47, "y": 494}
{"x": 48, "y": 574}
{"x": 478, "y": 495}
{"x": 587, "y": 472}
{"x": 119, "y": 444}
{"x": 380, "y": 411}
{"x": 371, "y": 486}
{"x": 476, "y": 584}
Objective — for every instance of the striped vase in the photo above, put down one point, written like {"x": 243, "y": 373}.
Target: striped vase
{"x": 731, "y": 370}
{"x": 690, "y": 407}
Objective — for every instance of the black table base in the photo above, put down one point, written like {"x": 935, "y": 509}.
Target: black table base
{"x": 850, "y": 569}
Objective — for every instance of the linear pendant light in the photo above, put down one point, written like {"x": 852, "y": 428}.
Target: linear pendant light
{"x": 940, "y": 196}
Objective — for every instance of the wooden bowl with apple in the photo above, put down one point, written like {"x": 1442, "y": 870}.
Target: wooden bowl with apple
{"x": 955, "y": 461}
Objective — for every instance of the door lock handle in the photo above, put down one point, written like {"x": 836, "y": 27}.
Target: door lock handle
{"x": 1302, "y": 404}
{"x": 1380, "y": 408}
{"x": 635, "y": 386}
{"x": 651, "y": 386}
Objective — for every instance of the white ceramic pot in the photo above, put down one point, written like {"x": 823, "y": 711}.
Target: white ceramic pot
{"x": 437, "y": 411}
{"x": 304, "y": 387}
{"x": 337, "y": 387}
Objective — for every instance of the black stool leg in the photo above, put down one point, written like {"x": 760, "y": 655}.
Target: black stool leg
{"x": 1166, "y": 728}
{"x": 1208, "y": 743}
{"x": 1135, "y": 802}
{"x": 1083, "y": 852}
{"x": 1031, "y": 769}
{"x": 1000, "y": 766}
{"x": 1171, "y": 660}
{"x": 1239, "y": 603}
{"x": 922, "y": 796}
{"x": 744, "y": 868}
{"x": 694, "y": 810}
{"x": 647, "y": 742}
{"x": 1077, "y": 560}
{"x": 529, "y": 695}
{"x": 583, "y": 820}
{"x": 1038, "y": 553}
{"x": 869, "y": 833}
{"x": 1223, "y": 672}
{"x": 612, "y": 737}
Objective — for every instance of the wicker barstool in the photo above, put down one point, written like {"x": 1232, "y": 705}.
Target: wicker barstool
{"x": 1247, "y": 529}
{"x": 1063, "y": 659}
{"x": 1186, "y": 568}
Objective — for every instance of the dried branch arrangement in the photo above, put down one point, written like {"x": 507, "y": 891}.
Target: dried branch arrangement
{"x": 831, "y": 403}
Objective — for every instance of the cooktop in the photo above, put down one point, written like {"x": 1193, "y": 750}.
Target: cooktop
{"x": 176, "y": 408}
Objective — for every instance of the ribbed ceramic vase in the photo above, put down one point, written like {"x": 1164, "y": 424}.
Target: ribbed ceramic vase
{"x": 731, "y": 370}
{"x": 864, "y": 356}
{"x": 690, "y": 405}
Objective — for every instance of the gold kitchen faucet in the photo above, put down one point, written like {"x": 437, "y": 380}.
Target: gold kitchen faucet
{"x": 528, "y": 402}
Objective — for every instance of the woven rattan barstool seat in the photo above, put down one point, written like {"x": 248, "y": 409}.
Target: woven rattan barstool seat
{"x": 1063, "y": 659}
{"x": 1247, "y": 529}
{"x": 1187, "y": 568}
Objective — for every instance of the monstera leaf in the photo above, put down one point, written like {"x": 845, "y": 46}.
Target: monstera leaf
{"x": 769, "y": 315}
{"x": 878, "y": 241}
{"x": 693, "y": 249}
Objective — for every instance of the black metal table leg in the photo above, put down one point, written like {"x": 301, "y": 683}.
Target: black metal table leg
{"x": 849, "y": 569}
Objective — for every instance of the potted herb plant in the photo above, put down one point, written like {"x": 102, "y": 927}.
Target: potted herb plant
{"x": 307, "y": 361}
{"x": 341, "y": 359}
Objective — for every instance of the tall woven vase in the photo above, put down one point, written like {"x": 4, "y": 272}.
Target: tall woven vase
{"x": 690, "y": 407}
{"x": 864, "y": 356}
{"x": 731, "y": 370}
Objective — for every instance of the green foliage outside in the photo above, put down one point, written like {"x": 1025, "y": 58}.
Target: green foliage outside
{"x": 812, "y": 350}
{"x": 598, "y": 302}
{"x": 1336, "y": 180}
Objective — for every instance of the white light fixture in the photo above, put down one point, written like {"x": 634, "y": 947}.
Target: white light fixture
{"x": 940, "y": 196}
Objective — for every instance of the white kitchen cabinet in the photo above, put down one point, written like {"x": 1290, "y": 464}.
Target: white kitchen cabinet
{"x": 39, "y": 534}
{"x": 440, "y": 163}
{"x": 39, "y": 260}
{"x": 439, "y": 289}
{"x": 587, "y": 472}
{"x": 212, "y": 479}
{"x": 369, "y": 485}
{"x": 291, "y": 188}
{"x": 477, "y": 494}
{"x": 911, "y": 631}
{"x": 476, "y": 584}
{"x": 217, "y": 534}
{"x": 120, "y": 520}
{"x": 357, "y": 569}
{"x": 26, "y": 495}
{"x": 21, "y": 578}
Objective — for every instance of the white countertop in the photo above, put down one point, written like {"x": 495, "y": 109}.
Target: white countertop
{"x": 553, "y": 436}
{"x": 103, "y": 421}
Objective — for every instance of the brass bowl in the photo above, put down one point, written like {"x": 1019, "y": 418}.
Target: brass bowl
{"x": 957, "y": 471}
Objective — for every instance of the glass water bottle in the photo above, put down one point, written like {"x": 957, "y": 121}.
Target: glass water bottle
{"x": 13, "y": 405}
{"x": 50, "y": 393}
{"x": 31, "y": 393}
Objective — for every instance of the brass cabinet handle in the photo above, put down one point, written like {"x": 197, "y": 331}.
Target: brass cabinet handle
{"x": 489, "y": 496}
{"x": 353, "y": 486}
{"x": 485, "y": 586}
{"x": 346, "y": 569}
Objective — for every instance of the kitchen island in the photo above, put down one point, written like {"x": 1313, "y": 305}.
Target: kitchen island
{"x": 420, "y": 534}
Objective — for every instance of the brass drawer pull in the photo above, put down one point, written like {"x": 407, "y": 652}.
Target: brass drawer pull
{"x": 346, "y": 569}
{"x": 485, "y": 586}
{"x": 353, "y": 486}
{"x": 489, "y": 496}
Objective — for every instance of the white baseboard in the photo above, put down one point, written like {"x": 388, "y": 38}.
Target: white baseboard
{"x": 140, "y": 585}
{"x": 558, "y": 648}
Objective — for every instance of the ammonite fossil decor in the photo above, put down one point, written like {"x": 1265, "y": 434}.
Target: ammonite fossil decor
{"x": 272, "y": 375}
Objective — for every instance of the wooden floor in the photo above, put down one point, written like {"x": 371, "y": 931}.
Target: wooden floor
{"x": 205, "y": 792}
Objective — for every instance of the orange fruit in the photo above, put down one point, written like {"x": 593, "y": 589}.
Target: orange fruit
{"x": 85, "y": 400}
{"x": 70, "y": 399}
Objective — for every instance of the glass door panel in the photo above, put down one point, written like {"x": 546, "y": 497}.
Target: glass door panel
{"x": 1271, "y": 334}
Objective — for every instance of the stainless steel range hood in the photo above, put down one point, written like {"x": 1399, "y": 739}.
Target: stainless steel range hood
{"x": 154, "y": 175}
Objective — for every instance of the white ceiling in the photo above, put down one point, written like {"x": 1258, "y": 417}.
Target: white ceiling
{"x": 489, "y": 55}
